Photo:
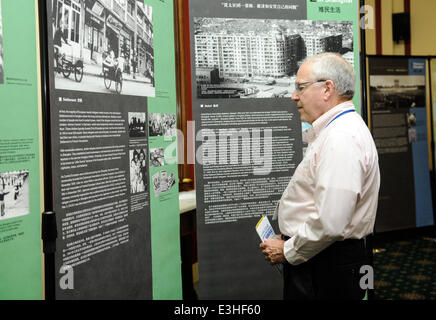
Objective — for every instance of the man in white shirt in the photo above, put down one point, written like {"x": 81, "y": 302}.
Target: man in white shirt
{"x": 330, "y": 204}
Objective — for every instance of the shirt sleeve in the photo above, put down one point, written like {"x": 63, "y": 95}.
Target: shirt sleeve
{"x": 338, "y": 178}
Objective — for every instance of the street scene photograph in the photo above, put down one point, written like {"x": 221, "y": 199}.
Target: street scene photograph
{"x": 103, "y": 46}
{"x": 259, "y": 58}
{"x": 14, "y": 194}
{"x": 1, "y": 47}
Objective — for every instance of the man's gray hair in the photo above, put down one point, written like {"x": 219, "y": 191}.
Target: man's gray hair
{"x": 331, "y": 66}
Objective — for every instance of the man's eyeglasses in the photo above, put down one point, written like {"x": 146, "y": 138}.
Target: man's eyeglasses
{"x": 299, "y": 87}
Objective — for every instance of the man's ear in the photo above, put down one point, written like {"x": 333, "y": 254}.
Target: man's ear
{"x": 329, "y": 89}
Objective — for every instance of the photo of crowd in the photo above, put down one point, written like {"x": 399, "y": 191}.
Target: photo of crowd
{"x": 138, "y": 173}
{"x": 14, "y": 194}
{"x": 137, "y": 124}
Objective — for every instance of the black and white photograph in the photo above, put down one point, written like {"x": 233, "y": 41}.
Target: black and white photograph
{"x": 157, "y": 157}
{"x": 103, "y": 46}
{"x": 155, "y": 124}
{"x": 397, "y": 92}
{"x": 156, "y": 183}
{"x": 14, "y": 194}
{"x": 169, "y": 125}
{"x": 1, "y": 47}
{"x": 138, "y": 167}
{"x": 162, "y": 182}
{"x": 137, "y": 124}
{"x": 259, "y": 58}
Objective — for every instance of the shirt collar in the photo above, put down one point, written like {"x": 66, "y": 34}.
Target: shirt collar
{"x": 319, "y": 124}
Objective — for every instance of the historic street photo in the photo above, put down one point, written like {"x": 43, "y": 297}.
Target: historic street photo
{"x": 259, "y": 58}
{"x": 103, "y": 46}
{"x": 138, "y": 170}
{"x": 137, "y": 124}
{"x": 396, "y": 92}
{"x": 14, "y": 194}
{"x": 2, "y": 77}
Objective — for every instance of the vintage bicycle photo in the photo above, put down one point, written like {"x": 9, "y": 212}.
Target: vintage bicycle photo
{"x": 102, "y": 46}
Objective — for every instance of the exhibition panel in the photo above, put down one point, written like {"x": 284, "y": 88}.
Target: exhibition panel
{"x": 93, "y": 92}
{"x": 244, "y": 59}
{"x": 20, "y": 183}
{"x": 399, "y": 124}
{"x": 433, "y": 99}
{"x": 112, "y": 113}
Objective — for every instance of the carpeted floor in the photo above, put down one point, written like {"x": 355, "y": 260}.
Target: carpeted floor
{"x": 405, "y": 270}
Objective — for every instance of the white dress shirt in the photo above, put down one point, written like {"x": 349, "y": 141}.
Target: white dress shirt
{"x": 333, "y": 193}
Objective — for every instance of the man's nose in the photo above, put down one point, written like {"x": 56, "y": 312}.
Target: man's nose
{"x": 295, "y": 96}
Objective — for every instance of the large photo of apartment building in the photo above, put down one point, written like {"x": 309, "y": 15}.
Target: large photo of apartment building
{"x": 257, "y": 58}
{"x": 1, "y": 47}
{"x": 103, "y": 46}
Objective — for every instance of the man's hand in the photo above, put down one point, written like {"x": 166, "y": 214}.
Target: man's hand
{"x": 273, "y": 250}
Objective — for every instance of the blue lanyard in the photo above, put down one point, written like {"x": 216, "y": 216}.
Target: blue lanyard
{"x": 339, "y": 115}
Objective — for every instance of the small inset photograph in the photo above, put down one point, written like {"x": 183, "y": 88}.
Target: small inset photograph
{"x": 156, "y": 184}
{"x": 14, "y": 194}
{"x": 162, "y": 182}
{"x": 138, "y": 167}
{"x": 157, "y": 157}
{"x": 155, "y": 124}
{"x": 137, "y": 124}
{"x": 169, "y": 125}
{"x": 103, "y": 46}
{"x": 171, "y": 180}
{"x": 1, "y": 47}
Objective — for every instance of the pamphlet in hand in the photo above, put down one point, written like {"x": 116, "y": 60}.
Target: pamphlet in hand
{"x": 266, "y": 231}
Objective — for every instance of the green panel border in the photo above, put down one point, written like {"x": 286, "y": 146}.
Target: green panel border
{"x": 21, "y": 267}
{"x": 165, "y": 213}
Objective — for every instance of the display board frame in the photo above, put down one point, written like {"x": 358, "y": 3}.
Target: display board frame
{"x": 158, "y": 95}
{"x": 218, "y": 237}
{"x": 416, "y": 202}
